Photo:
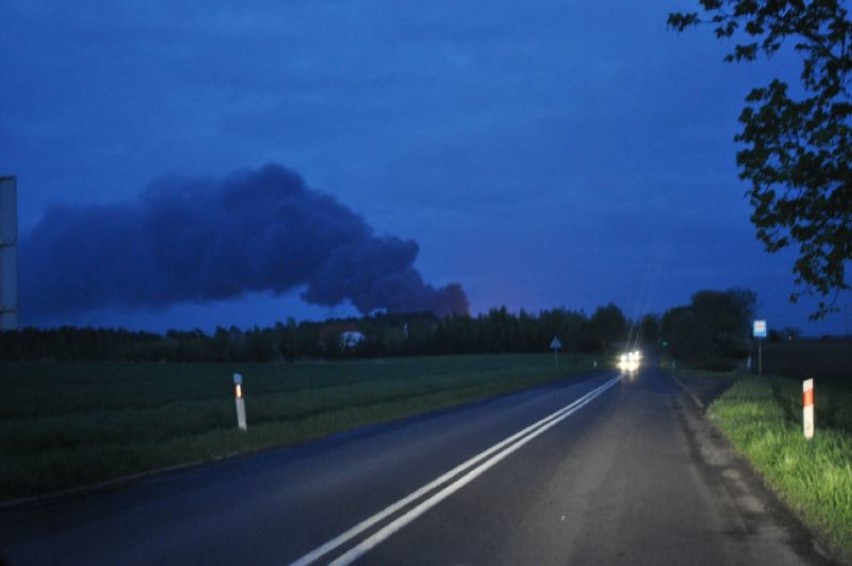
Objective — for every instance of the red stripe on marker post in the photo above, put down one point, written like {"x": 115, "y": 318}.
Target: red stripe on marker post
{"x": 808, "y": 397}
{"x": 239, "y": 401}
{"x": 808, "y": 408}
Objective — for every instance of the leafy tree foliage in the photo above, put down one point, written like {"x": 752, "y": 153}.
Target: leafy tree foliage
{"x": 649, "y": 328}
{"x": 711, "y": 332}
{"x": 797, "y": 149}
{"x": 607, "y": 325}
{"x": 786, "y": 334}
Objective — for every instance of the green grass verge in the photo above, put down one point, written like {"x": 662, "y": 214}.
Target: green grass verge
{"x": 689, "y": 373}
{"x": 65, "y": 425}
{"x": 762, "y": 417}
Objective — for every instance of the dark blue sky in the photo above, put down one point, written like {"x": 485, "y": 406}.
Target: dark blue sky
{"x": 542, "y": 153}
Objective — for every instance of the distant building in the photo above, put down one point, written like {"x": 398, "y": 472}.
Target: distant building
{"x": 351, "y": 339}
{"x": 346, "y": 335}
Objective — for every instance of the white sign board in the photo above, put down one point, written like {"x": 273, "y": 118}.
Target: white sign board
{"x": 555, "y": 344}
{"x": 759, "y": 329}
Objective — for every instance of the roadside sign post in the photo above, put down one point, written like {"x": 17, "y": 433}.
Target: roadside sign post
{"x": 555, "y": 344}
{"x": 808, "y": 408}
{"x": 239, "y": 401}
{"x": 759, "y": 332}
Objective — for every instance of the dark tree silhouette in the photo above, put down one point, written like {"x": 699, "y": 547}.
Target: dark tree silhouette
{"x": 796, "y": 150}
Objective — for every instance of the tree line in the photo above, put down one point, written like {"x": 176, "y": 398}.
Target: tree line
{"x": 384, "y": 334}
{"x": 712, "y": 332}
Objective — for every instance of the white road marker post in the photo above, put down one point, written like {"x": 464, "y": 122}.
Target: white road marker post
{"x": 759, "y": 332}
{"x": 239, "y": 401}
{"x": 555, "y": 344}
{"x": 808, "y": 408}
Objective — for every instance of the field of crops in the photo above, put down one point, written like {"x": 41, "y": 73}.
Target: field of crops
{"x": 65, "y": 425}
{"x": 804, "y": 359}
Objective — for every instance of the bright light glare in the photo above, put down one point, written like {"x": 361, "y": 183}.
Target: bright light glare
{"x": 630, "y": 361}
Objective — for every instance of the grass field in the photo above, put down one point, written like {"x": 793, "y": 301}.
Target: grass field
{"x": 762, "y": 416}
{"x": 65, "y": 425}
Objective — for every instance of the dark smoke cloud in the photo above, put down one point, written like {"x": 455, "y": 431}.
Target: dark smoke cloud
{"x": 190, "y": 240}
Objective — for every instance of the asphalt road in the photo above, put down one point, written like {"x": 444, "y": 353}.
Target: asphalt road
{"x": 608, "y": 469}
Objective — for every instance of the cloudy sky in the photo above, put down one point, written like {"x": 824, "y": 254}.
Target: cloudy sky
{"x": 541, "y": 153}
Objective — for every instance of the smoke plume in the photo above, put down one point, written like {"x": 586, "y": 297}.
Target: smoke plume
{"x": 191, "y": 240}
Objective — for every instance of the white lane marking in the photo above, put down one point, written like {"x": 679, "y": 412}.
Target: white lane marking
{"x": 530, "y": 432}
{"x": 390, "y": 529}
